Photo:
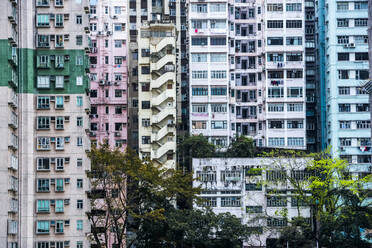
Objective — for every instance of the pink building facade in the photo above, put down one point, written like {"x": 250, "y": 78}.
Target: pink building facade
{"x": 108, "y": 72}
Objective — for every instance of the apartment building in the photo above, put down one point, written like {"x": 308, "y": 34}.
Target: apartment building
{"x": 44, "y": 85}
{"x": 245, "y": 188}
{"x": 108, "y": 72}
{"x": 146, "y": 10}
{"x": 247, "y": 72}
{"x": 209, "y": 71}
{"x": 157, "y": 92}
{"x": 344, "y": 69}
{"x": 9, "y": 170}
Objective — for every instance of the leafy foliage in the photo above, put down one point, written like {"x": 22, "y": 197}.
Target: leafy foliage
{"x": 242, "y": 147}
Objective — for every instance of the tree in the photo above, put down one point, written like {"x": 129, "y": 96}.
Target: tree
{"x": 337, "y": 198}
{"x": 242, "y": 147}
{"x": 195, "y": 228}
{"x": 127, "y": 192}
{"x": 196, "y": 146}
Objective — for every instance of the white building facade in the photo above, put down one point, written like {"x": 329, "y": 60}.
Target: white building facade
{"x": 245, "y": 188}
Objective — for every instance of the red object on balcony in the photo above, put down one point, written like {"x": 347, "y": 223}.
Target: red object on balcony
{"x": 196, "y": 30}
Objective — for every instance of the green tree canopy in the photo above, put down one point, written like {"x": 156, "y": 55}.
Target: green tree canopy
{"x": 241, "y": 147}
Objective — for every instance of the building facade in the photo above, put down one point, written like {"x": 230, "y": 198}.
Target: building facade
{"x": 139, "y": 12}
{"x": 157, "y": 92}
{"x": 343, "y": 53}
{"x": 244, "y": 187}
{"x": 44, "y": 87}
{"x": 108, "y": 72}
{"x": 247, "y": 72}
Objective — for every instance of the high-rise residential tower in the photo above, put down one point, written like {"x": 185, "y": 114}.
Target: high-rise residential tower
{"x": 167, "y": 10}
{"x": 343, "y": 64}
{"x": 247, "y": 72}
{"x": 108, "y": 72}
{"x": 157, "y": 92}
{"x": 44, "y": 87}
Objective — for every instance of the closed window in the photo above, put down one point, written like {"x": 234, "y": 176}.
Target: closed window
{"x": 293, "y": 24}
{"x": 275, "y": 24}
{"x": 43, "y": 81}
{"x": 42, "y": 226}
{"x": 218, "y": 124}
{"x": 43, "y": 206}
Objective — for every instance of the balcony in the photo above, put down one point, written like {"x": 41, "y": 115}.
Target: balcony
{"x": 13, "y": 100}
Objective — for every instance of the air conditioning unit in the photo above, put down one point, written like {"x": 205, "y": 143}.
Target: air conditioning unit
{"x": 117, "y": 83}
{"x": 101, "y": 82}
{"x": 67, "y": 98}
{"x": 352, "y": 45}
{"x": 67, "y": 160}
{"x": 52, "y": 202}
{"x": 52, "y": 160}
{"x": 52, "y": 118}
{"x": 67, "y": 139}
{"x": 52, "y": 222}
{"x": 52, "y": 98}
{"x": 67, "y": 118}
{"x": 52, "y": 181}
{"x": 115, "y": 17}
{"x": 52, "y": 139}
{"x": 67, "y": 201}
{"x": 67, "y": 180}
{"x": 342, "y": 148}
{"x": 117, "y": 134}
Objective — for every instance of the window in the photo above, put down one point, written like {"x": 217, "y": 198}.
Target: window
{"x": 119, "y": 43}
{"x": 274, "y": 41}
{"x": 42, "y": 226}
{"x": 199, "y": 57}
{"x": 199, "y": 108}
{"x": 209, "y": 201}
{"x": 218, "y": 124}
{"x": 277, "y": 7}
{"x": 361, "y": 74}
{"x": 343, "y": 56}
{"x": 42, "y": 3}
{"x": 199, "y": 8}
{"x": 79, "y": 19}
{"x": 79, "y": 225}
{"x": 43, "y": 164}
{"x": 218, "y": 57}
{"x": 294, "y": 41}
{"x": 345, "y": 124}
{"x": 79, "y": 121}
{"x": 199, "y": 125}
{"x": 276, "y": 201}
{"x": 295, "y": 124}
{"x": 217, "y": 7}
{"x": 200, "y": 91}
{"x": 59, "y": 41}
{"x": 216, "y": 41}
{"x": 43, "y": 143}
{"x": 79, "y": 141}
{"x": 344, "y": 107}
{"x": 42, "y": 20}
{"x": 344, "y": 90}
{"x": 343, "y": 39}
{"x": 79, "y": 204}
{"x": 43, "y": 185}
{"x": 59, "y": 102}
{"x": 342, "y": 23}
{"x": 199, "y": 74}
{"x": 59, "y": 122}
{"x": 360, "y": 5}
{"x": 253, "y": 209}
{"x": 293, "y": 24}
{"x": 294, "y": 92}
{"x": 362, "y": 107}
{"x": 60, "y": 164}
{"x": 59, "y": 226}
{"x": 58, "y": 22}
{"x": 276, "y": 142}
{"x": 276, "y": 222}
{"x": 43, "y": 206}
{"x": 59, "y": 187}
{"x": 79, "y": 101}
{"x": 295, "y": 141}
{"x": 274, "y": 24}
{"x": 59, "y": 208}
{"x": 119, "y": 26}
{"x": 218, "y": 74}
{"x": 275, "y": 57}
{"x": 146, "y": 140}
{"x": 145, "y": 105}
{"x": 345, "y": 141}
{"x": 293, "y": 7}
{"x": 276, "y": 124}
{"x": 342, "y": 6}
{"x": 198, "y": 41}
{"x": 361, "y": 56}
{"x": 118, "y": 93}
{"x": 43, "y": 122}
{"x": 294, "y": 74}
{"x": 360, "y": 22}
{"x": 79, "y": 244}
{"x": 343, "y": 74}
{"x": 43, "y": 41}
{"x": 294, "y": 57}
{"x": 276, "y": 92}
{"x": 117, "y": 10}
{"x": 276, "y": 107}
{"x": 43, "y": 81}
{"x": 145, "y": 122}
{"x": 363, "y": 124}
{"x": 58, "y": 3}
{"x": 79, "y": 162}
{"x": 230, "y": 201}
{"x": 218, "y": 108}
{"x": 79, "y": 183}
{"x": 118, "y": 60}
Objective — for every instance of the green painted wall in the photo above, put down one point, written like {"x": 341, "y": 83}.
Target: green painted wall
{"x": 70, "y": 69}
{"x": 5, "y": 66}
